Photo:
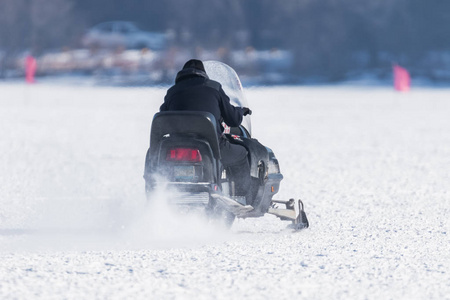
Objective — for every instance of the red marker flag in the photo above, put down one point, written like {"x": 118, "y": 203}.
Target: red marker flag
{"x": 402, "y": 80}
{"x": 30, "y": 68}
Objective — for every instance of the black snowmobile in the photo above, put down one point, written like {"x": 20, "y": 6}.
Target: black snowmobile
{"x": 184, "y": 154}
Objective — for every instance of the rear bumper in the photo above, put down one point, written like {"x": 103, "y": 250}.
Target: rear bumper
{"x": 188, "y": 193}
{"x": 189, "y": 187}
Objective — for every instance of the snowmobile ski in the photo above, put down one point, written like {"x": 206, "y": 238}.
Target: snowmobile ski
{"x": 294, "y": 211}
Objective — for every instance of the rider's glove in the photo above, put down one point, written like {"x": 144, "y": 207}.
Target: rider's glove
{"x": 246, "y": 111}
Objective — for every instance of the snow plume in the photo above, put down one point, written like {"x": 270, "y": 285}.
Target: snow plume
{"x": 128, "y": 222}
{"x": 161, "y": 224}
{"x": 67, "y": 223}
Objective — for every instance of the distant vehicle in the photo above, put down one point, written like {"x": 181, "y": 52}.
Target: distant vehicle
{"x": 123, "y": 34}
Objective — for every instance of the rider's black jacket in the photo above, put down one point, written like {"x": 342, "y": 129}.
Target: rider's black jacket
{"x": 194, "y": 91}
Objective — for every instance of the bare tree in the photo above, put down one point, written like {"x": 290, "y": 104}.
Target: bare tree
{"x": 12, "y": 31}
{"x": 13, "y": 24}
{"x": 323, "y": 34}
{"x": 53, "y": 23}
{"x": 36, "y": 24}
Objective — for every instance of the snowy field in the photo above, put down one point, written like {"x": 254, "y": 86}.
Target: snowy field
{"x": 371, "y": 165}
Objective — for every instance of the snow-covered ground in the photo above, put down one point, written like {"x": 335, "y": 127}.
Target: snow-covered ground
{"x": 371, "y": 165}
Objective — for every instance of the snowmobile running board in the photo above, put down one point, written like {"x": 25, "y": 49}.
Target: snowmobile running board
{"x": 232, "y": 206}
{"x": 294, "y": 211}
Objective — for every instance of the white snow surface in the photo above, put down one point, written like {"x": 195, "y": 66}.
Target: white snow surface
{"x": 370, "y": 164}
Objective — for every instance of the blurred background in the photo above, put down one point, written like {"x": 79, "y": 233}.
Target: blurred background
{"x": 138, "y": 42}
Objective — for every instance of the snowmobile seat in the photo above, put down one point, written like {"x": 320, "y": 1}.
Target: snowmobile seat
{"x": 198, "y": 123}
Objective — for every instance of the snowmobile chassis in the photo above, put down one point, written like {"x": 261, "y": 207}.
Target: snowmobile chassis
{"x": 184, "y": 152}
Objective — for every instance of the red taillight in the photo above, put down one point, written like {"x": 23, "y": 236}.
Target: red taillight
{"x": 184, "y": 154}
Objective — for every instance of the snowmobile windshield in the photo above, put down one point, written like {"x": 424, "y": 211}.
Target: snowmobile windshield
{"x": 231, "y": 84}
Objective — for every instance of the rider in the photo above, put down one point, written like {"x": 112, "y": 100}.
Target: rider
{"x": 194, "y": 91}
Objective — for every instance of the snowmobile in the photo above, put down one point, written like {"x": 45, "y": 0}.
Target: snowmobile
{"x": 184, "y": 155}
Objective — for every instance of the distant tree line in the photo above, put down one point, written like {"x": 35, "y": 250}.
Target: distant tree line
{"x": 326, "y": 36}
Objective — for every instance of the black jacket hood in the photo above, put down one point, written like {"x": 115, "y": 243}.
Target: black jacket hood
{"x": 189, "y": 73}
